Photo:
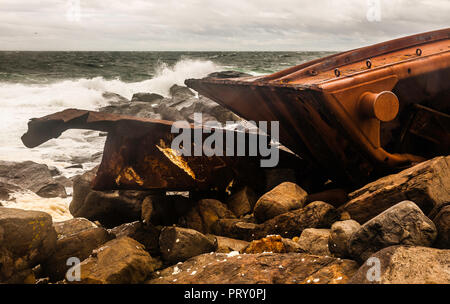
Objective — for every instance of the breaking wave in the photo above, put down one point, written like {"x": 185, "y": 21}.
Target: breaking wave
{"x": 21, "y": 102}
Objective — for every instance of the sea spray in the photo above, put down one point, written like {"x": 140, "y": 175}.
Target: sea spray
{"x": 23, "y": 101}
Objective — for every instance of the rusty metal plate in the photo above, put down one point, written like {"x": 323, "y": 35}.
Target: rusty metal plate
{"x": 138, "y": 154}
{"x": 320, "y": 104}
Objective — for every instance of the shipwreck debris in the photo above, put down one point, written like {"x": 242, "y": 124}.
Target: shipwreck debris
{"x": 138, "y": 154}
{"x": 355, "y": 115}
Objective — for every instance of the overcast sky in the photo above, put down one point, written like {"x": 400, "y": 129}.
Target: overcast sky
{"x": 146, "y": 25}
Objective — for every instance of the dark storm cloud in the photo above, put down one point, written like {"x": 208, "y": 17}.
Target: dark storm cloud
{"x": 212, "y": 24}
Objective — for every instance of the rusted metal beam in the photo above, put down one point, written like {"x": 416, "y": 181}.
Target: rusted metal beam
{"x": 138, "y": 154}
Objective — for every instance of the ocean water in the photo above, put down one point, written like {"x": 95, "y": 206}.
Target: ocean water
{"x": 35, "y": 84}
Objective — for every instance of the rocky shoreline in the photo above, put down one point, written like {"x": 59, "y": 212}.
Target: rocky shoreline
{"x": 286, "y": 234}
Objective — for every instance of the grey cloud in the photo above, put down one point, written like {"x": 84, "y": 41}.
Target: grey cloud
{"x": 212, "y": 24}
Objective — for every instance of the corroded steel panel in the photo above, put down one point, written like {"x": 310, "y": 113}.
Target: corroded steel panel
{"x": 138, "y": 154}
{"x": 340, "y": 112}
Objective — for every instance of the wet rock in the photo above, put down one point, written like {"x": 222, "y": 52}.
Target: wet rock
{"x": 64, "y": 181}
{"x": 442, "y": 222}
{"x": 406, "y": 265}
{"x": 137, "y": 108}
{"x": 207, "y": 107}
{"x": 236, "y": 228}
{"x": 179, "y": 244}
{"x": 281, "y": 199}
{"x": 272, "y": 244}
{"x": 120, "y": 261}
{"x": 31, "y": 176}
{"x": 77, "y": 241}
{"x": 147, "y": 235}
{"x": 52, "y": 190}
{"x": 54, "y": 171}
{"x": 427, "y": 184}
{"x": 165, "y": 210}
{"x": 204, "y": 215}
{"x": 169, "y": 113}
{"x": 180, "y": 92}
{"x": 146, "y": 97}
{"x": 72, "y": 226}
{"x": 315, "y": 241}
{"x": 210, "y": 110}
{"x": 242, "y": 202}
{"x": 227, "y": 245}
{"x": 114, "y": 98}
{"x": 340, "y": 233}
{"x": 291, "y": 224}
{"x": 264, "y": 268}
{"x": 110, "y": 208}
{"x": 27, "y": 238}
{"x": 6, "y": 189}
{"x": 228, "y": 74}
{"x": 402, "y": 224}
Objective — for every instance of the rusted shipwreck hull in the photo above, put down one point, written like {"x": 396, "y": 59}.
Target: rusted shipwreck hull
{"x": 358, "y": 114}
{"x": 138, "y": 154}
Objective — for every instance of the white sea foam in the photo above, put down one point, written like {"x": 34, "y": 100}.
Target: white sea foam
{"x": 58, "y": 208}
{"x": 21, "y": 102}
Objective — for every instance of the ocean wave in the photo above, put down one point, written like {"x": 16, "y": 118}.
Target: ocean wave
{"x": 20, "y": 102}
{"x": 87, "y": 93}
{"x": 57, "y": 207}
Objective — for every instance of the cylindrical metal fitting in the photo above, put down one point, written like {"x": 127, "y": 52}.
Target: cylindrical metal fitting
{"x": 382, "y": 106}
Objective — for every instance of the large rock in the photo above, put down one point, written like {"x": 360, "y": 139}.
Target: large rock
{"x": 114, "y": 98}
{"x": 442, "y": 222}
{"x": 169, "y": 113}
{"x": 137, "y": 108}
{"x": 77, "y": 243}
{"x": 281, "y": 199}
{"x": 7, "y": 189}
{"x": 110, "y": 208}
{"x": 242, "y": 202}
{"x": 291, "y": 224}
{"x": 406, "y": 265}
{"x": 210, "y": 108}
{"x": 54, "y": 189}
{"x": 179, "y": 93}
{"x": 120, "y": 261}
{"x": 27, "y": 238}
{"x": 427, "y": 184}
{"x": 402, "y": 224}
{"x": 288, "y": 225}
{"x": 227, "y": 245}
{"x": 165, "y": 210}
{"x": 179, "y": 244}
{"x": 147, "y": 235}
{"x": 204, "y": 215}
{"x": 315, "y": 241}
{"x": 32, "y": 176}
{"x": 272, "y": 244}
{"x": 340, "y": 233}
{"x": 146, "y": 97}
{"x": 236, "y": 228}
{"x": 72, "y": 226}
{"x": 264, "y": 268}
